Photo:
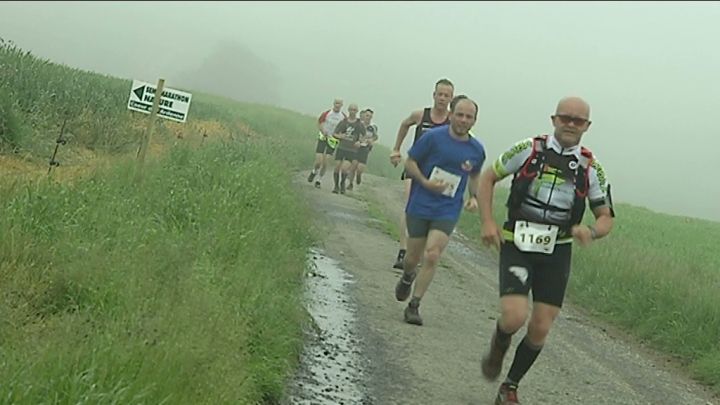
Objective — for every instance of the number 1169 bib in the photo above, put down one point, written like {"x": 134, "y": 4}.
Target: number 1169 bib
{"x": 533, "y": 237}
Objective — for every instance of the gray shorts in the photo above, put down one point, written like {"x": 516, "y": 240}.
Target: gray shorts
{"x": 420, "y": 227}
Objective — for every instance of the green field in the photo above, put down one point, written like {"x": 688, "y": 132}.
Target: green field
{"x": 186, "y": 288}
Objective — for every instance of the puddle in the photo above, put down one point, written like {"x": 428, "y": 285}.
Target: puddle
{"x": 331, "y": 370}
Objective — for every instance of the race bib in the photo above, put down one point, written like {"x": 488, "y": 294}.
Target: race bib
{"x": 532, "y": 237}
{"x": 452, "y": 180}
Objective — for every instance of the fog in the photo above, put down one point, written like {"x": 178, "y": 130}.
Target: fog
{"x": 650, "y": 70}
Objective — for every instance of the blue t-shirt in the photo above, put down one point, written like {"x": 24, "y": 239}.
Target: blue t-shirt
{"x": 437, "y": 148}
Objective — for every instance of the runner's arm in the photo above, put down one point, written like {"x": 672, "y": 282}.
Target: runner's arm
{"x": 340, "y": 129}
{"x": 600, "y": 199}
{"x": 474, "y": 185}
{"x": 405, "y": 125}
{"x": 603, "y": 222}
{"x": 412, "y": 170}
{"x": 321, "y": 121}
{"x": 486, "y": 188}
{"x": 374, "y": 138}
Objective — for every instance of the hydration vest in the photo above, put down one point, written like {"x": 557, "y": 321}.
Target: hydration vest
{"x": 541, "y": 156}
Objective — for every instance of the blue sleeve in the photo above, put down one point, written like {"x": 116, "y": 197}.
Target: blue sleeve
{"x": 481, "y": 158}
{"x": 421, "y": 149}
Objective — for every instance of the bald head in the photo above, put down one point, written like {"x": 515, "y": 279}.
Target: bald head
{"x": 337, "y": 104}
{"x": 571, "y": 120}
{"x": 573, "y": 106}
{"x": 353, "y": 110}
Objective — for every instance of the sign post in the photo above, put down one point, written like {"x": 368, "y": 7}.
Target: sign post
{"x": 172, "y": 105}
{"x": 150, "y": 126}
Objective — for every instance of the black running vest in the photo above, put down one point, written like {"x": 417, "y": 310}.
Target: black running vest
{"x": 426, "y": 123}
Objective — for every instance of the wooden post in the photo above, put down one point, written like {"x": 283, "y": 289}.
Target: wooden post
{"x": 60, "y": 141}
{"x": 150, "y": 127}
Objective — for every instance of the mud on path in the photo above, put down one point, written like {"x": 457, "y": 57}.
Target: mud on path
{"x": 439, "y": 362}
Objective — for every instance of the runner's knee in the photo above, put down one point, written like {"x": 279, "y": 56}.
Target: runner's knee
{"x": 513, "y": 319}
{"x": 412, "y": 258}
{"x": 432, "y": 255}
{"x": 539, "y": 328}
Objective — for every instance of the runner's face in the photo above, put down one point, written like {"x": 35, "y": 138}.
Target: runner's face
{"x": 442, "y": 95}
{"x": 352, "y": 111}
{"x": 368, "y": 117}
{"x": 337, "y": 105}
{"x": 463, "y": 118}
{"x": 570, "y": 121}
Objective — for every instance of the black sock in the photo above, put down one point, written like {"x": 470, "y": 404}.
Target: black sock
{"x": 502, "y": 338}
{"x": 358, "y": 179}
{"x": 525, "y": 356}
{"x": 401, "y": 254}
{"x": 344, "y": 177}
{"x": 336, "y": 177}
{"x": 414, "y": 302}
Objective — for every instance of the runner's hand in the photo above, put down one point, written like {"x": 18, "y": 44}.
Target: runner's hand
{"x": 436, "y": 186}
{"x": 491, "y": 234}
{"x": 471, "y": 204}
{"x": 582, "y": 234}
{"x": 395, "y": 158}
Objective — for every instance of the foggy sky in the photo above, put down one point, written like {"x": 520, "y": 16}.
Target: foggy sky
{"x": 650, "y": 70}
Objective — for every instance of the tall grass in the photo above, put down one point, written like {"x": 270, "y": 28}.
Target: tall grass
{"x": 655, "y": 275}
{"x": 182, "y": 290}
{"x": 43, "y": 94}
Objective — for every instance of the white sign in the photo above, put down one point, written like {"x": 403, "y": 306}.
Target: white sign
{"x": 174, "y": 104}
{"x": 452, "y": 180}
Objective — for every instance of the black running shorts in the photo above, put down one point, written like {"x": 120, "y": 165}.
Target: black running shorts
{"x": 362, "y": 155}
{"x": 323, "y": 147}
{"x": 546, "y": 275}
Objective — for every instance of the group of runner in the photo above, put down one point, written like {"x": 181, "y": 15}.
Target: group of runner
{"x": 554, "y": 181}
{"x": 350, "y": 139}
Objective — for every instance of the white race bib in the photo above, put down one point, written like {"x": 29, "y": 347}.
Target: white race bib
{"x": 452, "y": 180}
{"x": 533, "y": 237}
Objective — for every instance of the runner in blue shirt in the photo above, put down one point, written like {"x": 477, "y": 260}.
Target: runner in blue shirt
{"x": 442, "y": 164}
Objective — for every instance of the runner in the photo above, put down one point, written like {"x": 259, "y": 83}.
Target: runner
{"x": 348, "y": 132}
{"x": 423, "y": 120}
{"x": 366, "y": 143}
{"x": 442, "y": 164}
{"x": 326, "y": 144}
{"x": 553, "y": 176}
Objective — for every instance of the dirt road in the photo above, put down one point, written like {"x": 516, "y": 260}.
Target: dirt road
{"x": 439, "y": 363}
